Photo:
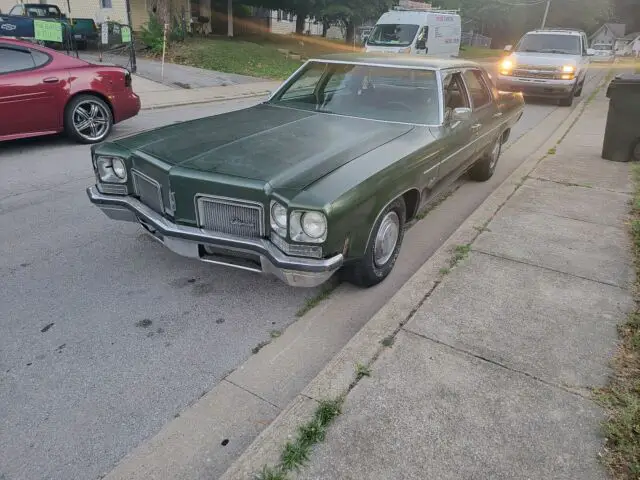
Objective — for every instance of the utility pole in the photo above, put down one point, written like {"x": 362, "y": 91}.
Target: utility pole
{"x": 546, "y": 13}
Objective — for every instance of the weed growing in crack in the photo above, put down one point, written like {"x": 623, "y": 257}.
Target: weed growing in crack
{"x": 296, "y": 453}
{"x": 362, "y": 371}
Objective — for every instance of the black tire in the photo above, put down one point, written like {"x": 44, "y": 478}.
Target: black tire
{"x": 483, "y": 169}
{"x": 567, "y": 101}
{"x": 366, "y": 272}
{"x": 579, "y": 90}
{"x": 72, "y": 115}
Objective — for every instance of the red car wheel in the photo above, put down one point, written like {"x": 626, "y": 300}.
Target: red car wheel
{"x": 88, "y": 119}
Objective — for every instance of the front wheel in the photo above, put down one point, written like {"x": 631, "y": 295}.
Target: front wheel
{"x": 383, "y": 247}
{"x": 567, "y": 101}
{"x": 88, "y": 119}
{"x": 484, "y": 168}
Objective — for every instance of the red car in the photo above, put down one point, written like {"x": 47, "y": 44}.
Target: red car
{"x": 43, "y": 91}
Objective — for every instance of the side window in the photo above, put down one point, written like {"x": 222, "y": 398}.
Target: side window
{"x": 40, "y": 58}
{"x": 455, "y": 93}
{"x": 478, "y": 90}
{"x": 15, "y": 10}
{"x": 12, "y": 60}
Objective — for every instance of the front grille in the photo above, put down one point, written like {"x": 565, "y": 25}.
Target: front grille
{"x": 233, "y": 217}
{"x": 148, "y": 190}
{"x": 549, "y": 75}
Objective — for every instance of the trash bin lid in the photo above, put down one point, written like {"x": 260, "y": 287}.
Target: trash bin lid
{"x": 627, "y": 81}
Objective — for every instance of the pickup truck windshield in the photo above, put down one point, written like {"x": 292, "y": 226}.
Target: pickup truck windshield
{"x": 550, "y": 43}
{"x": 377, "y": 93}
{"x": 393, "y": 35}
{"x": 43, "y": 11}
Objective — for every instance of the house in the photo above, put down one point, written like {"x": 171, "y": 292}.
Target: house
{"x": 624, "y": 45}
{"x": 607, "y": 34}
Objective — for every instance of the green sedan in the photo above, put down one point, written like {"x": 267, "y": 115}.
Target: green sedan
{"x": 321, "y": 177}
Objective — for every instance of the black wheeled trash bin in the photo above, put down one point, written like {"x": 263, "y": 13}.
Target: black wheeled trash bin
{"x": 622, "y": 134}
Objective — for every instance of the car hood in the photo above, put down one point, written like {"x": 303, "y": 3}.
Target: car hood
{"x": 284, "y": 147}
{"x": 544, "y": 59}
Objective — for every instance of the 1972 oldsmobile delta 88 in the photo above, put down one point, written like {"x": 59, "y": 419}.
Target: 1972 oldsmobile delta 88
{"x": 322, "y": 176}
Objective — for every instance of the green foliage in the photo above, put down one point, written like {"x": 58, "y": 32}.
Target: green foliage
{"x": 152, "y": 33}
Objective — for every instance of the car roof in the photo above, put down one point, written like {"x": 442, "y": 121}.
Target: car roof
{"x": 397, "y": 60}
{"x": 556, "y": 31}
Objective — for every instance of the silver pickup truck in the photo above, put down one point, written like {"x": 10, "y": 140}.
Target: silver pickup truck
{"x": 550, "y": 63}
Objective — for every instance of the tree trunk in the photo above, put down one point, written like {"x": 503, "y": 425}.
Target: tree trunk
{"x": 301, "y": 22}
{"x": 229, "y": 18}
{"x": 351, "y": 31}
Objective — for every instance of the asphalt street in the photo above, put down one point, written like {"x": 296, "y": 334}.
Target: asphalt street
{"x": 106, "y": 335}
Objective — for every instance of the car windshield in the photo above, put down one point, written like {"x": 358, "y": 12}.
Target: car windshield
{"x": 550, "y": 43}
{"x": 602, "y": 47}
{"x": 393, "y": 35}
{"x": 389, "y": 94}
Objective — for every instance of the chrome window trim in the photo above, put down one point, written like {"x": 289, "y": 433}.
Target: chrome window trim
{"x": 135, "y": 172}
{"x": 235, "y": 202}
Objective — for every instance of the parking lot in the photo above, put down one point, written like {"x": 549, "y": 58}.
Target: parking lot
{"x": 107, "y": 336}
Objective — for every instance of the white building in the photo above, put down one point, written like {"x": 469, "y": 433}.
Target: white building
{"x": 607, "y": 34}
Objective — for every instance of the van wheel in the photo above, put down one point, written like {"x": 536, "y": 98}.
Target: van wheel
{"x": 567, "y": 101}
{"x": 484, "y": 168}
{"x": 383, "y": 247}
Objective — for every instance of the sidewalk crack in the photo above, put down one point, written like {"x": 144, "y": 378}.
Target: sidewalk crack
{"x": 522, "y": 262}
{"x": 571, "y": 184}
{"x": 572, "y": 390}
{"x": 254, "y": 394}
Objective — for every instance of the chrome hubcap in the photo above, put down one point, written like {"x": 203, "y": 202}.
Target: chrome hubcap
{"x": 91, "y": 120}
{"x": 495, "y": 154}
{"x": 386, "y": 239}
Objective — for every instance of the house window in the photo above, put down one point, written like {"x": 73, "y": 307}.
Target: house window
{"x": 105, "y": 4}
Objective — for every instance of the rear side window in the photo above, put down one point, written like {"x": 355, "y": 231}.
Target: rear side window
{"x": 40, "y": 58}
{"x": 480, "y": 94}
{"x": 15, "y": 60}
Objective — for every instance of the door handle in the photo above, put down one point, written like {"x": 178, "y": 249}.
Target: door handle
{"x": 50, "y": 80}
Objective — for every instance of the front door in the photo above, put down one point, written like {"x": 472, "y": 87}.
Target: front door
{"x": 456, "y": 150}
{"x": 29, "y": 94}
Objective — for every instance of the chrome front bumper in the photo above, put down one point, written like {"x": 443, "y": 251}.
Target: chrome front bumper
{"x": 258, "y": 255}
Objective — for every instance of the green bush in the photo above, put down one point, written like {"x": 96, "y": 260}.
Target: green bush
{"x": 152, "y": 33}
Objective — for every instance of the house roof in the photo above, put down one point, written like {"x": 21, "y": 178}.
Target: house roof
{"x": 631, "y": 36}
{"x": 618, "y": 29}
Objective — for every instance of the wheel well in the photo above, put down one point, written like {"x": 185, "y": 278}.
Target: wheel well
{"x": 94, "y": 94}
{"x": 411, "y": 201}
{"x": 505, "y": 136}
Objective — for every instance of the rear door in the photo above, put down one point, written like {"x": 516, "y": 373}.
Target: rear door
{"x": 30, "y": 94}
{"x": 486, "y": 115}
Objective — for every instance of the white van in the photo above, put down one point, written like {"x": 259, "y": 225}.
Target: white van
{"x": 421, "y": 32}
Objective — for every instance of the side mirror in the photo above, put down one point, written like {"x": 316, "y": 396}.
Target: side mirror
{"x": 457, "y": 115}
{"x": 508, "y": 48}
{"x": 591, "y": 52}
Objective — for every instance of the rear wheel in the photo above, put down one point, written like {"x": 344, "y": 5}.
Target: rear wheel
{"x": 88, "y": 119}
{"x": 383, "y": 247}
{"x": 484, "y": 168}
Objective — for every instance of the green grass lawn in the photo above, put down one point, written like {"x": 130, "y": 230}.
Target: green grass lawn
{"x": 253, "y": 55}
{"x": 479, "y": 52}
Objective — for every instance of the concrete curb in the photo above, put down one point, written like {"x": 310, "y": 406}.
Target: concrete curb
{"x": 339, "y": 375}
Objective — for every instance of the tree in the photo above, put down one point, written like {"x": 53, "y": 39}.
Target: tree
{"x": 351, "y": 13}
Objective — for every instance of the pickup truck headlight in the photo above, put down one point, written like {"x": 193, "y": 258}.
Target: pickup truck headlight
{"x": 308, "y": 226}
{"x": 506, "y": 67}
{"x": 111, "y": 169}
{"x": 568, "y": 69}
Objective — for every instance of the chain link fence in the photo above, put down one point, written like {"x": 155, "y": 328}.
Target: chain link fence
{"x": 471, "y": 39}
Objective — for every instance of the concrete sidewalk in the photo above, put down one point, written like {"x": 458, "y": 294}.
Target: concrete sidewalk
{"x": 491, "y": 377}
{"x": 157, "y": 95}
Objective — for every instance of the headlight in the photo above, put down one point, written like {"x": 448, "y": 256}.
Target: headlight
{"x": 568, "y": 69}
{"x": 308, "y": 227}
{"x": 111, "y": 170}
{"x": 279, "y": 219}
{"x": 314, "y": 224}
{"x": 506, "y": 66}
